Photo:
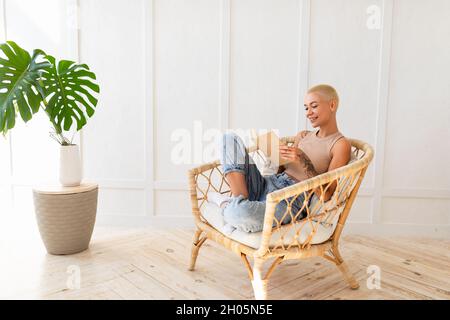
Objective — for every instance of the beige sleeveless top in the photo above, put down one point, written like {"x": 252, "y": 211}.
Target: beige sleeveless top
{"x": 318, "y": 151}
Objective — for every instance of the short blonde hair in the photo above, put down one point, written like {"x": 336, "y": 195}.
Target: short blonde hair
{"x": 326, "y": 90}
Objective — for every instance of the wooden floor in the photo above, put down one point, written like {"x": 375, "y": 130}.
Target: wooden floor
{"x": 152, "y": 264}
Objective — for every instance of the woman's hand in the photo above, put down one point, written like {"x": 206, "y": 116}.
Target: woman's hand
{"x": 290, "y": 153}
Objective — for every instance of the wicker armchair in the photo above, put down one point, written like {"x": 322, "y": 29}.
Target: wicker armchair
{"x": 316, "y": 235}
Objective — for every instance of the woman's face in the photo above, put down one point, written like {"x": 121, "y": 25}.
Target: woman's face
{"x": 317, "y": 109}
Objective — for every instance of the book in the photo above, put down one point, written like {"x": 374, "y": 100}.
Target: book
{"x": 269, "y": 144}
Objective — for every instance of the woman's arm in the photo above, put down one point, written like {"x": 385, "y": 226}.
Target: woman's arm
{"x": 340, "y": 156}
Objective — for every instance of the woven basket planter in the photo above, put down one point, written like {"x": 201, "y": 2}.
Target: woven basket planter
{"x": 66, "y": 217}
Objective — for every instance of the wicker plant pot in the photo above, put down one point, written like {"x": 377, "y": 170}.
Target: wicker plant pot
{"x": 66, "y": 217}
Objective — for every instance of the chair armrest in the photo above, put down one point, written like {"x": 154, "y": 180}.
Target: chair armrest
{"x": 348, "y": 175}
{"x": 203, "y": 179}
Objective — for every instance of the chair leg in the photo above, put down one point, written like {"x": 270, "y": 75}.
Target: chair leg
{"x": 197, "y": 243}
{"x": 259, "y": 282}
{"x": 342, "y": 266}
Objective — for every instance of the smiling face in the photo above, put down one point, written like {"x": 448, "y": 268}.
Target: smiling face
{"x": 319, "y": 110}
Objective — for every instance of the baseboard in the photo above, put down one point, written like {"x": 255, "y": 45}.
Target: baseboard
{"x": 432, "y": 231}
{"x": 363, "y": 228}
{"x": 143, "y": 221}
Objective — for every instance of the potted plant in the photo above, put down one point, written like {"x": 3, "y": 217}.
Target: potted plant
{"x": 65, "y": 91}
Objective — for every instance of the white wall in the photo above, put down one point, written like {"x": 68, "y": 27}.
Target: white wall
{"x": 164, "y": 64}
{"x": 28, "y": 154}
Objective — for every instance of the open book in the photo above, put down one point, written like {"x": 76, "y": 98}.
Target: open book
{"x": 269, "y": 144}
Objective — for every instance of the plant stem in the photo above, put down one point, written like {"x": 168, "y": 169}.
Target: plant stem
{"x": 56, "y": 135}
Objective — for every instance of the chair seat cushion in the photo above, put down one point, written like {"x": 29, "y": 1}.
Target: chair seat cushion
{"x": 300, "y": 231}
{"x": 283, "y": 236}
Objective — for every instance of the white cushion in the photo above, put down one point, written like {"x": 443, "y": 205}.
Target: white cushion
{"x": 285, "y": 234}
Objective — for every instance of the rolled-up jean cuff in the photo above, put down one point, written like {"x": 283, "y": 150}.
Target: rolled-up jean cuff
{"x": 233, "y": 169}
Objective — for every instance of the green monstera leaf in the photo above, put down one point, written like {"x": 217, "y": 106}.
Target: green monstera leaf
{"x": 19, "y": 91}
{"x": 69, "y": 89}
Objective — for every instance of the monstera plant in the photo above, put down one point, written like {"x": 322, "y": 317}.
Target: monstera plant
{"x": 65, "y": 90}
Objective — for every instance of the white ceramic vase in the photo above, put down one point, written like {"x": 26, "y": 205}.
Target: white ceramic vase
{"x": 70, "y": 166}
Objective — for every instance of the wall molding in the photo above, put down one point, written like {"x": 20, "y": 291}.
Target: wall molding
{"x": 174, "y": 185}
{"x": 170, "y": 185}
{"x": 73, "y": 47}
{"x": 73, "y": 32}
{"x": 148, "y": 16}
{"x": 4, "y": 37}
{"x": 181, "y": 185}
{"x": 394, "y": 229}
{"x": 224, "y": 65}
{"x": 416, "y": 193}
{"x": 3, "y": 29}
{"x": 303, "y": 61}
{"x": 382, "y": 107}
{"x": 107, "y": 184}
{"x": 145, "y": 222}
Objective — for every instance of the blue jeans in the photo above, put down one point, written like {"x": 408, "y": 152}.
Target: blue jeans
{"x": 248, "y": 214}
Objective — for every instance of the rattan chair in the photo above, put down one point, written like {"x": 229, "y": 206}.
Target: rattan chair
{"x": 297, "y": 240}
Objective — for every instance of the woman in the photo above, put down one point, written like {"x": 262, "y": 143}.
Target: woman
{"x": 313, "y": 153}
